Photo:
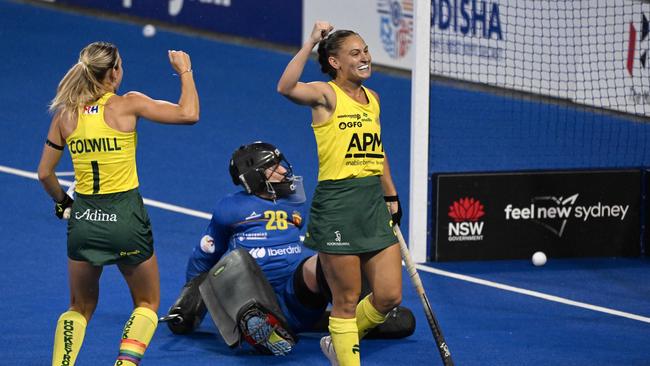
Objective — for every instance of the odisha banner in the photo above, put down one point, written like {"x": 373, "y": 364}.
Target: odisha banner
{"x": 513, "y": 215}
{"x": 278, "y": 21}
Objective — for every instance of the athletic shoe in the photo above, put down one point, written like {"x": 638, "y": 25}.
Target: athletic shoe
{"x": 328, "y": 350}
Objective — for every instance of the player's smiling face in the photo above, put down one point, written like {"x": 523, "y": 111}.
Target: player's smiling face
{"x": 353, "y": 59}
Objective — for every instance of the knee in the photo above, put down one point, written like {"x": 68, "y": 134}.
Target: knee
{"x": 345, "y": 304}
{"x": 386, "y": 301}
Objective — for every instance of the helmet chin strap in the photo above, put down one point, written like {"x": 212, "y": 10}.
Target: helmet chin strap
{"x": 271, "y": 191}
{"x": 281, "y": 189}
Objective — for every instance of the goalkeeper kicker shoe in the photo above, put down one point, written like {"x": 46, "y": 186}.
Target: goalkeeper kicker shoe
{"x": 264, "y": 335}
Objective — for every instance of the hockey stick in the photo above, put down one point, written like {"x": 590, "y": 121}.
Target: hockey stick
{"x": 417, "y": 283}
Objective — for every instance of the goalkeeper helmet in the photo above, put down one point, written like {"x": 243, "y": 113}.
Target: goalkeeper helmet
{"x": 248, "y": 166}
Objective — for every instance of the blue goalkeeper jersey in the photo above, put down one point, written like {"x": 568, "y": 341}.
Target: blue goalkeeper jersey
{"x": 269, "y": 231}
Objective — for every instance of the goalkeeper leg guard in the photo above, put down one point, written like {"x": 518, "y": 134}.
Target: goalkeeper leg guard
{"x": 400, "y": 323}
{"x": 188, "y": 310}
{"x": 244, "y": 306}
{"x": 68, "y": 337}
{"x": 136, "y": 336}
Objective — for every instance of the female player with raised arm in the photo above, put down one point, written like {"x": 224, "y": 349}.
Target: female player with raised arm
{"x": 108, "y": 223}
{"x": 349, "y": 225}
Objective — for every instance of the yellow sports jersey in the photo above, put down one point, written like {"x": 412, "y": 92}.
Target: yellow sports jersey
{"x": 103, "y": 158}
{"x": 349, "y": 142}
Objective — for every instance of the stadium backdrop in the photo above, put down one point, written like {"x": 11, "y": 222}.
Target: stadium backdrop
{"x": 477, "y": 130}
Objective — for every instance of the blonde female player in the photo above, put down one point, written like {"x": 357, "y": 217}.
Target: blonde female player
{"x": 108, "y": 223}
{"x": 349, "y": 225}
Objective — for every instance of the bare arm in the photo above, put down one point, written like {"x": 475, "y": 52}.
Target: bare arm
{"x": 387, "y": 183}
{"x": 186, "y": 111}
{"x": 311, "y": 94}
{"x": 49, "y": 160}
{"x": 387, "y": 180}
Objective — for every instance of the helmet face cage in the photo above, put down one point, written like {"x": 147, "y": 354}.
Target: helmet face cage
{"x": 249, "y": 163}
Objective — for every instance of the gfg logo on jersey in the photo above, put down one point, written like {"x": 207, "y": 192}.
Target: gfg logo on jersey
{"x": 465, "y": 213}
{"x": 396, "y": 26}
{"x": 259, "y": 253}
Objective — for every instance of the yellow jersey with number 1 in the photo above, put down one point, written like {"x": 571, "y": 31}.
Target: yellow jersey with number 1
{"x": 349, "y": 142}
{"x": 103, "y": 158}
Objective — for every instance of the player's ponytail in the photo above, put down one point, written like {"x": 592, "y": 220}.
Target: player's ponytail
{"x": 82, "y": 84}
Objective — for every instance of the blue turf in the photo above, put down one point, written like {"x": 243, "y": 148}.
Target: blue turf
{"x": 187, "y": 166}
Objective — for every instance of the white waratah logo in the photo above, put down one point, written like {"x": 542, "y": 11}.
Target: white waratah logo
{"x": 271, "y": 252}
{"x": 95, "y": 215}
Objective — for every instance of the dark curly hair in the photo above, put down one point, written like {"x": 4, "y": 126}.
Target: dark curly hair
{"x": 330, "y": 45}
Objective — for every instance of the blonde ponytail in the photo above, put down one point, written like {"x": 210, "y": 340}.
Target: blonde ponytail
{"x": 83, "y": 83}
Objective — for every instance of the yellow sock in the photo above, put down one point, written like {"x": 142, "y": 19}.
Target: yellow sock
{"x": 137, "y": 333}
{"x": 345, "y": 338}
{"x": 368, "y": 317}
{"x": 68, "y": 337}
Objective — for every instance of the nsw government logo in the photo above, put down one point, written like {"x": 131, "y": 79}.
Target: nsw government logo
{"x": 396, "y": 26}
{"x": 465, "y": 214}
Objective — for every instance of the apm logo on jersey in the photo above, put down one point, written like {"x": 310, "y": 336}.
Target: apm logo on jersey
{"x": 640, "y": 92}
{"x": 396, "y": 26}
{"x": 466, "y": 226}
{"x": 366, "y": 145}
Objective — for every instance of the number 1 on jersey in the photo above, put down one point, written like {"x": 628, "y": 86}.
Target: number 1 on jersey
{"x": 95, "y": 166}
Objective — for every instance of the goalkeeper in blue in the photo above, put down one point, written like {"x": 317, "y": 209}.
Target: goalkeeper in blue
{"x": 250, "y": 270}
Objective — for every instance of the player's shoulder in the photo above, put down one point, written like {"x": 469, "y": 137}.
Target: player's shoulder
{"x": 231, "y": 204}
{"x": 132, "y": 97}
{"x": 374, "y": 93}
{"x": 234, "y": 197}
